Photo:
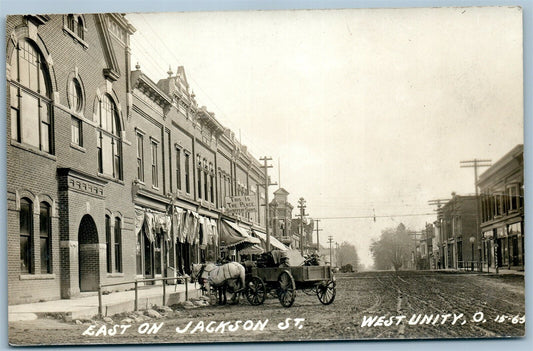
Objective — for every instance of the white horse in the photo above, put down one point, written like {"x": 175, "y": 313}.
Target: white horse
{"x": 229, "y": 276}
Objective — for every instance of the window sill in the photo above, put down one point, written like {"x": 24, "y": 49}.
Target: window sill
{"x": 37, "y": 276}
{"x": 110, "y": 178}
{"x": 77, "y": 147}
{"x": 75, "y": 37}
{"x": 33, "y": 150}
{"x": 115, "y": 275}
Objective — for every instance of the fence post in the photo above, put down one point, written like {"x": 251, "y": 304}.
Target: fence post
{"x": 164, "y": 291}
{"x": 136, "y": 306}
{"x": 100, "y": 307}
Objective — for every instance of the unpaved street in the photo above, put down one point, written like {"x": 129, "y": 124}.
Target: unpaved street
{"x": 403, "y": 305}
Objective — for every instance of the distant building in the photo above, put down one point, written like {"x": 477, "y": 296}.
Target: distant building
{"x": 458, "y": 232}
{"x": 308, "y": 227}
{"x": 281, "y": 217}
{"x": 502, "y": 211}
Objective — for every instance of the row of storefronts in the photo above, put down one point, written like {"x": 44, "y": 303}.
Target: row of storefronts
{"x": 111, "y": 176}
{"x": 484, "y": 232}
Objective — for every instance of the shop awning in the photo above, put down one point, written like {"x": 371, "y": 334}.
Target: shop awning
{"x": 255, "y": 249}
{"x": 274, "y": 243}
{"x": 231, "y": 234}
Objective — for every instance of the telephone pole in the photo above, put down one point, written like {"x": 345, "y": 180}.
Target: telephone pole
{"x": 330, "y": 240}
{"x": 317, "y": 237}
{"x": 475, "y": 163}
{"x": 301, "y": 206}
{"x": 265, "y": 167}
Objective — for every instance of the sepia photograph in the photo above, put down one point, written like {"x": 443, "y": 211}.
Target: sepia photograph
{"x": 265, "y": 176}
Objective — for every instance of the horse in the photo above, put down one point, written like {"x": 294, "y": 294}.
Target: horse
{"x": 229, "y": 275}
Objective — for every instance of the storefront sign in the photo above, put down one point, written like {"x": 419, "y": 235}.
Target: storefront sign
{"x": 240, "y": 203}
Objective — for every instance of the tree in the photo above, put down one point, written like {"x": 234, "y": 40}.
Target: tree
{"x": 392, "y": 249}
{"x": 347, "y": 254}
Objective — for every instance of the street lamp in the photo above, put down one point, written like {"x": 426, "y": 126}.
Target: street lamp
{"x": 472, "y": 241}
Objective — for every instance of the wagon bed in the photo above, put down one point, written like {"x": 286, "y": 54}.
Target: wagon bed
{"x": 284, "y": 281}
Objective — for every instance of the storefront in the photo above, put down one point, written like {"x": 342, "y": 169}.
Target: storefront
{"x": 234, "y": 238}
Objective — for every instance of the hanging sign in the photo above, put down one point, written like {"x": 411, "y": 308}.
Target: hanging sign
{"x": 241, "y": 203}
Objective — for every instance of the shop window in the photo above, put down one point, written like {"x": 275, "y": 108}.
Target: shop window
{"x": 45, "y": 235}
{"x": 26, "y": 234}
{"x": 118, "y": 245}
{"x": 138, "y": 252}
{"x": 109, "y": 142}
{"x": 157, "y": 254}
{"x": 30, "y": 98}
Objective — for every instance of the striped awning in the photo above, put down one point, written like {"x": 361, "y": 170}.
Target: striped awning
{"x": 231, "y": 234}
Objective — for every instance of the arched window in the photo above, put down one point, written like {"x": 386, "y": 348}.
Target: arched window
{"x": 108, "y": 247}
{"x": 81, "y": 28}
{"x": 71, "y": 23}
{"x": 26, "y": 234}
{"x": 75, "y": 95}
{"x": 118, "y": 245}
{"x": 30, "y": 98}
{"x": 45, "y": 235}
{"x": 109, "y": 142}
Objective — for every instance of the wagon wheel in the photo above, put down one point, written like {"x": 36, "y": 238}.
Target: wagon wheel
{"x": 286, "y": 289}
{"x": 234, "y": 292}
{"x": 326, "y": 292}
{"x": 255, "y": 291}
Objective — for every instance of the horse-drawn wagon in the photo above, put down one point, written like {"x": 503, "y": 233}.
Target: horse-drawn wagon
{"x": 284, "y": 281}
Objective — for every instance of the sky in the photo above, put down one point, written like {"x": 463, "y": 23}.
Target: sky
{"x": 366, "y": 111}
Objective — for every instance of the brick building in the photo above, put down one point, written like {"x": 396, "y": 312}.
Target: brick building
{"x": 502, "y": 211}
{"x": 458, "y": 233}
{"x": 81, "y": 212}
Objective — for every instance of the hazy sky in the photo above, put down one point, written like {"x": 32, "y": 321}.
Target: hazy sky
{"x": 365, "y": 109}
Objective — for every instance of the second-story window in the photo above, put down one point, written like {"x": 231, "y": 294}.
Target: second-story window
{"x": 71, "y": 23}
{"x": 155, "y": 176}
{"x": 178, "y": 168}
{"x": 109, "y": 140}
{"x": 140, "y": 157}
{"x": 31, "y": 121}
{"x": 188, "y": 173}
{"x": 211, "y": 183}
{"x": 80, "y": 30}
{"x": 199, "y": 175}
{"x": 206, "y": 181}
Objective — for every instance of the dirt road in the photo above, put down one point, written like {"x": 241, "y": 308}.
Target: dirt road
{"x": 369, "y": 305}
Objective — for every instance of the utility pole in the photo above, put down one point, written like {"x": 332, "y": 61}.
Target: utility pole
{"x": 475, "y": 163}
{"x": 317, "y": 237}
{"x": 301, "y": 206}
{"x": 330, "y": 240}
{"x": 265, "y": 167}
